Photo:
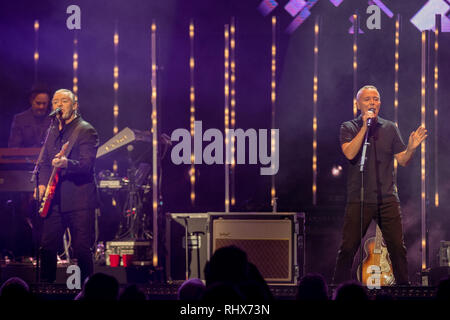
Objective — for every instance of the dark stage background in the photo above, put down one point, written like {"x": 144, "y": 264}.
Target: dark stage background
{"x": 294, "y": 96}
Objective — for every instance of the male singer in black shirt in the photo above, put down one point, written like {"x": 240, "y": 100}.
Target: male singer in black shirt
{"x": 75, "y": 197}
{"x": 381, "y": 201}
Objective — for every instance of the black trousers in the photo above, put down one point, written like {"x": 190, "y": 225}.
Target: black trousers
{"x": 81, "y": 226}
{"x": 389, "y": 219}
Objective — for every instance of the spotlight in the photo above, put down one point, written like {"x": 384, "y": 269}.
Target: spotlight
{"x": 336, "y": 171}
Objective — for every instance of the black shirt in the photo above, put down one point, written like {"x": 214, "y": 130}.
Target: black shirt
{"x": 379, "y": 181}
{"x": 76, "y": 189}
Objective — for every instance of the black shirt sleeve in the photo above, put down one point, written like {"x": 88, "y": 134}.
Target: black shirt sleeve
{"x": 397, "y": 143}
{"x": 346, "y": 133}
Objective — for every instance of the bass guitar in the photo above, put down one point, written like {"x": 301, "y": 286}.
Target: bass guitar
{"x": 376, "y": 262}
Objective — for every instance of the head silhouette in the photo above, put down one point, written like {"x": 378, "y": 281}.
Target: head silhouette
{"x": 191, "y": 290}
{"x": 312, "y": 287}
{"x": 101, "y": 286}
{"x": 228, "y": 264}
{"x": 15, "y": 289}
{"x": 351, "y": 291}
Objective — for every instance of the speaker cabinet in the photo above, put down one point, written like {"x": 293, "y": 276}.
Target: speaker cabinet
{"x": 185, "y": 230}
{"x": 274, "y": 242}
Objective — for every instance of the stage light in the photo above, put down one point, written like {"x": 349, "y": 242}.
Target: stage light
{"x": 116, "y": 87}
{"x": 154, "y": 131}
{"x": 273, "y": 192}
{"x": 192, "y": 107}
{"x": 355, "y": 61}
{"x": 315, "y": 92}
{"x": 75, "y": 65}
{"x": 233, "y": 106}
{"x": 422, "y": 151}
{"x": 336, "y": 171}
{"x": 436, "y": 122}
{"x": 227, "y": 113}
{"x": 36, "y": 49}
{"x": 396, "y": 68}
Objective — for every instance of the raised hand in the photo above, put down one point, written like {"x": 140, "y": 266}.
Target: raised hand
{"x": 416, "y": 137}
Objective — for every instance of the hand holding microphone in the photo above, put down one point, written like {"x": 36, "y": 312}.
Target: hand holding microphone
{"x": 369, "y": 117}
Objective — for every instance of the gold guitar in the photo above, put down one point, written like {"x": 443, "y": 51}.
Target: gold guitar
{"x": 376, "y": 261}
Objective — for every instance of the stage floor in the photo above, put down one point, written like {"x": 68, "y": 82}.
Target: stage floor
{"x": 156, "y": 287}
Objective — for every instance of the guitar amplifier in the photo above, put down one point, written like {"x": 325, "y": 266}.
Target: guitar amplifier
{"x": 444, "y": 254}
{"x": 274, "y": 242}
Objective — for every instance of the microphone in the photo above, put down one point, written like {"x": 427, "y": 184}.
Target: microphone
{"x": 370, "y": 120}
{"x": 55, "y": 112}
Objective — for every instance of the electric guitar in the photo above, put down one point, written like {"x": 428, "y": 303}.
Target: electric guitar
{"x": 51, "y": 186}
{"x": 376, "y": 262}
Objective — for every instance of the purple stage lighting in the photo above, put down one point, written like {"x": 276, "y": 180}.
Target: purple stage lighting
{"x": 350, "y": 30}
{"x": 294, "y": 6}
{"x": 424, "y": 19}
{"x": 267, "y": 6}
{"x": 304, "y": 14}
{"x": 301, "y": 17}
{"x": 382, "y": 6}
{"x": 336, "y": 2}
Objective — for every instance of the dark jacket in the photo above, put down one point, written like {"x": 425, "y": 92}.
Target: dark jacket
{"x": 28, "y": 131}
{"x": 76, "y": 189}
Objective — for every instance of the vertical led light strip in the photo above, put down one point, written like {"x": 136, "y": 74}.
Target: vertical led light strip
{"x": 436, "y": 133}
{"x": 116, "y": 87}
{"x": 36, "y": 49}
{"x": 396, "y": 68}
{"x": 155, "y": 147}
{"x": 355, "y": 61}
{"x": 273, "y": 98}
{"x": 227, "y": 113}
{"x": 315, "y": 89}
{"x": 192, "y": 108}
{"x": 422, "y": 153}
{"x": 75, "y": 65}
{"x": 233, "y": 107}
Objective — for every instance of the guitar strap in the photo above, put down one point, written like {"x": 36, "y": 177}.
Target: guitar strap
{"x": 73, "y": 138}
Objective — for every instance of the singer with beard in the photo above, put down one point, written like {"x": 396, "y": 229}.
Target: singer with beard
{"x": 381, "y": 201}
{"x": 75, "y": 197}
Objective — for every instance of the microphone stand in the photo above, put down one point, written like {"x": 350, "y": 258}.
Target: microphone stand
{"x": 35, "y": 177}
{"x": 361, "y": 169}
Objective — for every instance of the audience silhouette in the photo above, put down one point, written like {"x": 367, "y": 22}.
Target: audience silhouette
{"x": 312, "y": 287}
{"x": 100, "y": 286}
{"x": 191, "y": 290}
{"x": 230, "y": 277}
{"x": 351, "y": 291}
{"x": 15, "y": 289}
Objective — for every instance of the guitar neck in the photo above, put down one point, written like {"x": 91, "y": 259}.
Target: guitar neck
{"x": 378, "y": 238}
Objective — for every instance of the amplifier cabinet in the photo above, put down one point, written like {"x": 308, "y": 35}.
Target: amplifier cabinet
{"x": 274, "y": 242}
{"x": 444, "y": 254}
